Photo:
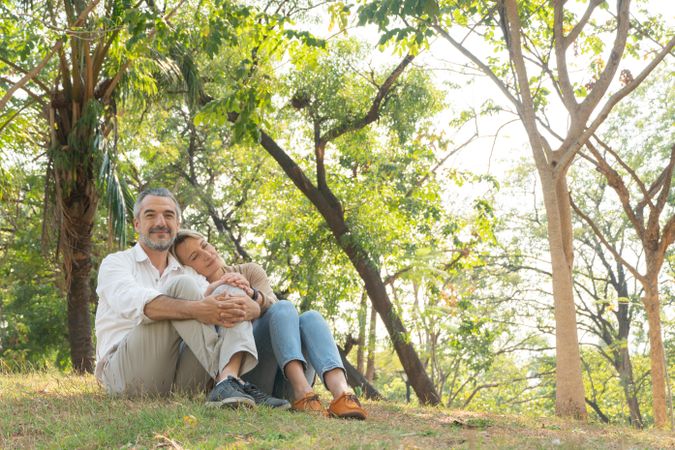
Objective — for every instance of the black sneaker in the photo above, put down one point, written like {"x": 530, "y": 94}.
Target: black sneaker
{"x": 229, "y": 394}
{"x": 263, "y": 399}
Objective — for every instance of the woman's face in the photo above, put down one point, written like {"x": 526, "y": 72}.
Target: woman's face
{"x": 200, "y": 255}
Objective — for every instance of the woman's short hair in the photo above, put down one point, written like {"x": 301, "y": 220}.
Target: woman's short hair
{"x": 181, "y": 236}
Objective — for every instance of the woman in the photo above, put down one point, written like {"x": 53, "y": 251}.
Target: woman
{"x": 285, "y": 340}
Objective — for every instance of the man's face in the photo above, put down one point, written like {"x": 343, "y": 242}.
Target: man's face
{"x": 157, "y": 223}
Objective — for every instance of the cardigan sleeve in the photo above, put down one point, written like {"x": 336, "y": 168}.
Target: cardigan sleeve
{"x": 257, "y": 278}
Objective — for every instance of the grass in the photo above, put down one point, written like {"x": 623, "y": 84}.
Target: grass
{"x": 52, "y": 410}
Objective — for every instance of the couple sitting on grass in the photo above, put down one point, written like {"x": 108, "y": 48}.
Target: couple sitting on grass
{"x": 172, "y": 316}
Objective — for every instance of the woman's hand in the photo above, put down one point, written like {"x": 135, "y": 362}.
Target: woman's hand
{"x": 213, "y": 286}
{"x": 236, "y": 280}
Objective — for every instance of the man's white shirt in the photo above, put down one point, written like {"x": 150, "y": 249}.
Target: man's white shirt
{"x": 127, "y": 281}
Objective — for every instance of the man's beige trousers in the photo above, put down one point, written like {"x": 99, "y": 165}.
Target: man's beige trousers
{"x": 175, "y": 355}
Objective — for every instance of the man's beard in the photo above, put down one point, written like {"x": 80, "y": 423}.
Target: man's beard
{"x": 159, "y": 245}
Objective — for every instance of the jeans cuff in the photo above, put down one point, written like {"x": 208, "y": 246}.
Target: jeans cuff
{"x": 330, "y": 367}
{"x": 283, "y": 366}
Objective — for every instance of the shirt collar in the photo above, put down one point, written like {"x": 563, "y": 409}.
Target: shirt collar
{"x": 139, "y": 253}
{"x": 141, "y": 256}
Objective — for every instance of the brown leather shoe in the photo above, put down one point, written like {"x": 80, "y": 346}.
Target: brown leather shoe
{"x": 310, "y": 403}
{"x": 347, "y": 406}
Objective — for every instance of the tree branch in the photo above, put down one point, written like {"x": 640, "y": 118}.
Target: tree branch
{"x": 374, "y": 112}
{"x": 613, "y": 100}
{"x": 561, "y": 45}
{"x": 605, "y": 78}
{"x": 37, "y": 69}
{"x": 626, "y": 167}
{"x": 574, "y": 34}
{"x": 482, "y": 66}
{"x": 616, "y": 182}
{"x": 607, "y": 245}
{"x": 18, "y": 68}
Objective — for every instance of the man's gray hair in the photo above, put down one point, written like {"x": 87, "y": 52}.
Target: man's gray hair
{"x": 157, "y": 192}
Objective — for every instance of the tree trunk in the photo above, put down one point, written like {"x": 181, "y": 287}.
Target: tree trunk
{"x": 656, "y": 356}
{"x": 330, "y": 210}
{"x": 76, "y": 196}
{"x": 372, "y": 337}
{"x": 360, "y": 358}
{"x": 622, "y": 362}
{"x": 625, "y": 369}
{"x": 400, "y": 338}
{"x": 356, "y": 379}
{"x": 79, "y": 208}
{"x": 570, "y": 401}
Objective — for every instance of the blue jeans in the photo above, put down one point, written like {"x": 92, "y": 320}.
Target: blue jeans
{"x": 282, "y": 336}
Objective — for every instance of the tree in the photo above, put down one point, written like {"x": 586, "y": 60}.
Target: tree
{"x": 329, "y": 206}
{"x": 94, "y": 55}
{"x": 91, "y": 45}
{"x": 538, "y": 37}
{"x": 641, "y": 178}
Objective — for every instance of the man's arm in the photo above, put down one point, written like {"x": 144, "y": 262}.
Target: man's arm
{"x": 212, "y": 310}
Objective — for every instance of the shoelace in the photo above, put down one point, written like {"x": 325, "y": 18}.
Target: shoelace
{"x": 353, "y": 398}
{"x": 312, "y": 398}
{"x": 253, "y": 391}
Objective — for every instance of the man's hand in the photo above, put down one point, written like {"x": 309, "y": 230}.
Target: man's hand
{"x": 209, "y": 311}
{"x": 236, "y": 309}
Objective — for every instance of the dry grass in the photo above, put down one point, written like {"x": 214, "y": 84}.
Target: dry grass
{"x": 56, "y": 411}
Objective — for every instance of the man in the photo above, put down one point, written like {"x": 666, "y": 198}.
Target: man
{"x": 155, "y": 330}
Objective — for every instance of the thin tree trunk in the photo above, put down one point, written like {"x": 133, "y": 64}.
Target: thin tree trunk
{"x": 372, "y": 337}
{"x": 625, "y": 369}
{"x": 356, "y": 379}
{"x": 622, "y": 361}
{"x": 656, "y": 356}
{"x": 570, "y": 401}
{"x": 360, "y": 358}
{"x": 598, "y": 411}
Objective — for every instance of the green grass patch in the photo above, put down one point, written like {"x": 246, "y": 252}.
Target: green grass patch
{"x": 52, "y": 410}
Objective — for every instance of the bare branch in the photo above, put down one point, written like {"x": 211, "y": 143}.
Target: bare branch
{"x": 616, "y": 182}
{"x": 482, "y": 66}
{"x": 574, "y": 34}
{"x": 626, "y": 167}
{"x": 607, "y": 245}
{"x": 561, "y": 59}
{"x": 18, "y": 68}
{"x": 614, "y": 99}
{"x": 440, "y": 163}
{"x": 540, "y": 147}
{"x": 667, "y": 175}
{"x": 605, "y": 78}
{"x": 668, "y": 236}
